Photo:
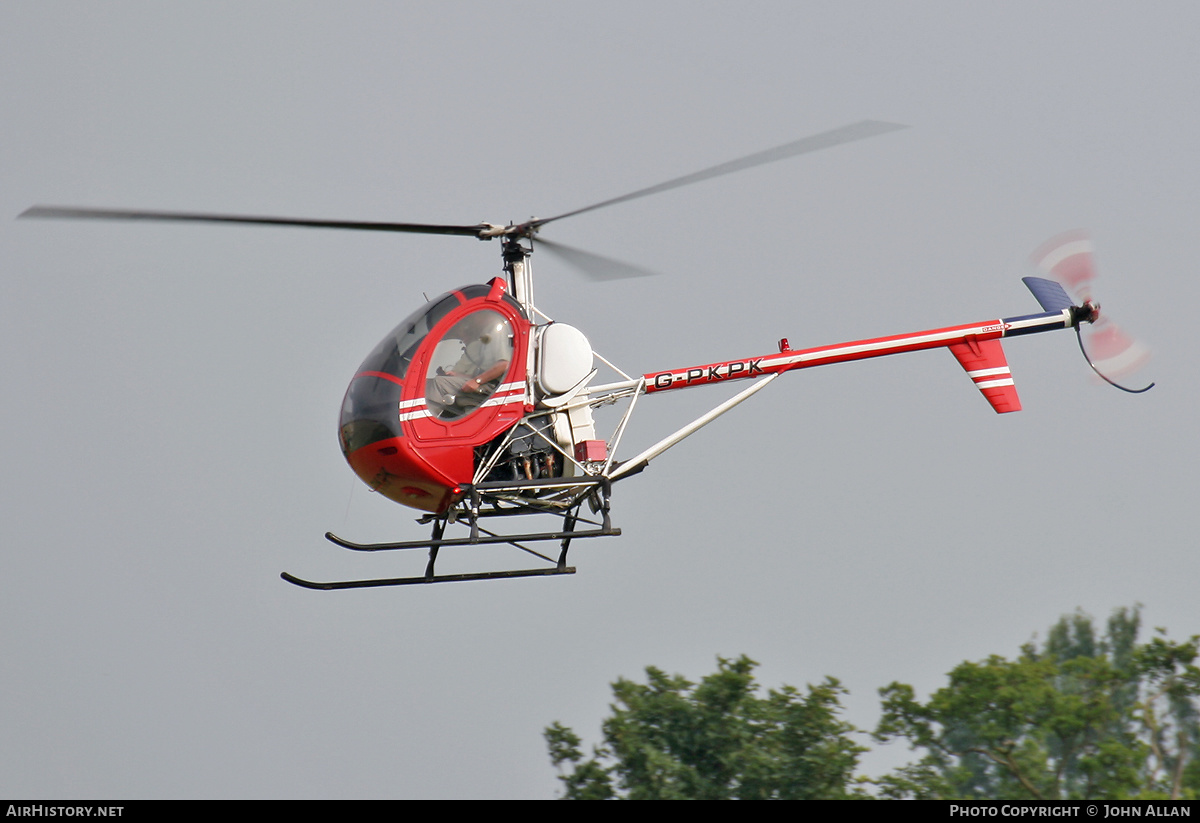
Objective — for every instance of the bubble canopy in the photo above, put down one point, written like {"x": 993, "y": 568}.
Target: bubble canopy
{"x": 458, "y": 377}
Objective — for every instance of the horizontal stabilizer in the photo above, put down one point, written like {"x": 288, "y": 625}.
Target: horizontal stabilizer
{"x": 1049, "y": 294}
{"x": 985, "y": 364}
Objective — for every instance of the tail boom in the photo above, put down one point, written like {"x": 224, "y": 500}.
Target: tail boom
{"x": 975, "y": 345}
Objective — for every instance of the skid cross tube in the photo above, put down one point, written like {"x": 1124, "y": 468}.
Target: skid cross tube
{"x": 472, "y": 541}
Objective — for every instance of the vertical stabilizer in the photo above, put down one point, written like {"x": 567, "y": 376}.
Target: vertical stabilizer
{"x": 1048, "y": 293}
{"x": 985, "y": 364}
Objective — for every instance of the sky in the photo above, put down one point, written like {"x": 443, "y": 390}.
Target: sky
{"x": 170, "y": 393}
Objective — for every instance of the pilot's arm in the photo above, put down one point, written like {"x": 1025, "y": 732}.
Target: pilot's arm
{"x": 496, "y": 371}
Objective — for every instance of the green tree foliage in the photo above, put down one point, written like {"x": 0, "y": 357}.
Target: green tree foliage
{"x": 672, "y": 739}
{"x": 1082, "y": 716}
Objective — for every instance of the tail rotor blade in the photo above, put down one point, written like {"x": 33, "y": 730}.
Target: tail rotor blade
{"x": 1068, "y": 261}
{"x": 1114, "y": 352}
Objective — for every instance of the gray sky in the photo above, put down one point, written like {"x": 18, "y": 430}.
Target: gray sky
{"x": 171, "y": 392}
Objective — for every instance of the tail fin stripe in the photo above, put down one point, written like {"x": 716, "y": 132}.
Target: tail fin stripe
{"x": 991, "y": 384}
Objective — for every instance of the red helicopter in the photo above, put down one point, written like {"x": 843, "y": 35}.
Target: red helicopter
{"x": 477, "y": 407}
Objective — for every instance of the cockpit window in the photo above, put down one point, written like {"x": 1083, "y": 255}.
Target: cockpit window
{"x": 468, "y": 364}
{"x": 395, "y": 352}
{"x": 369, "y": 411}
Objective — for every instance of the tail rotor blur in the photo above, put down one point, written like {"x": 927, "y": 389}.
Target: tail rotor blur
{"x": 1111, "y": 352}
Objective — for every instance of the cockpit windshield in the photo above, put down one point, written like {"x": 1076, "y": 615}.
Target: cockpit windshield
{"x": 369, "y": 410}
{"x": 469, "y": 363}
{"x": 395, "y": 352}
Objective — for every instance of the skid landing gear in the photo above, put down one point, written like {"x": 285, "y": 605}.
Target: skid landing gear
{"x": 564, "y": 499}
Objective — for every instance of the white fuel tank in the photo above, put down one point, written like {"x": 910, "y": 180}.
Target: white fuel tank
{"x": 564, "y": 359}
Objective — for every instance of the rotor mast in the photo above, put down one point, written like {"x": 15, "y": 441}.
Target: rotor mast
{"x": 520, "y": 274}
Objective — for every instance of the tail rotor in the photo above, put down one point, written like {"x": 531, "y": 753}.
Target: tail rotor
{"x": 1111, "y": 352}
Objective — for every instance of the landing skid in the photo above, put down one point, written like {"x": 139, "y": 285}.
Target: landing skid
{"x": 408, "y": 581}
{"x": 558, "y": 498}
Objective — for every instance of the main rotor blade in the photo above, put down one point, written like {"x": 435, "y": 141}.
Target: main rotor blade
{"x": 193, "y": 217}
{"x": 595, "y": 266}
{"x": 815, "y": 142}
{"x": 486, "y": 231}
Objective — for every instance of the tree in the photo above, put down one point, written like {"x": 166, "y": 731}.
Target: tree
{"x": 672, "y": 739}
{"x": 1080, "y": 717}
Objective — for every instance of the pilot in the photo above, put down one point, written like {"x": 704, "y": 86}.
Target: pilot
{"x": 487, "y": 350}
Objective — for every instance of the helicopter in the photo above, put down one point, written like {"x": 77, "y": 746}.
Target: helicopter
{"x": 478, "y": 407}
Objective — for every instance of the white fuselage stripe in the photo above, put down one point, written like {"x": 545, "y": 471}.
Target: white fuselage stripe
{"x": 508, "y": 393}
